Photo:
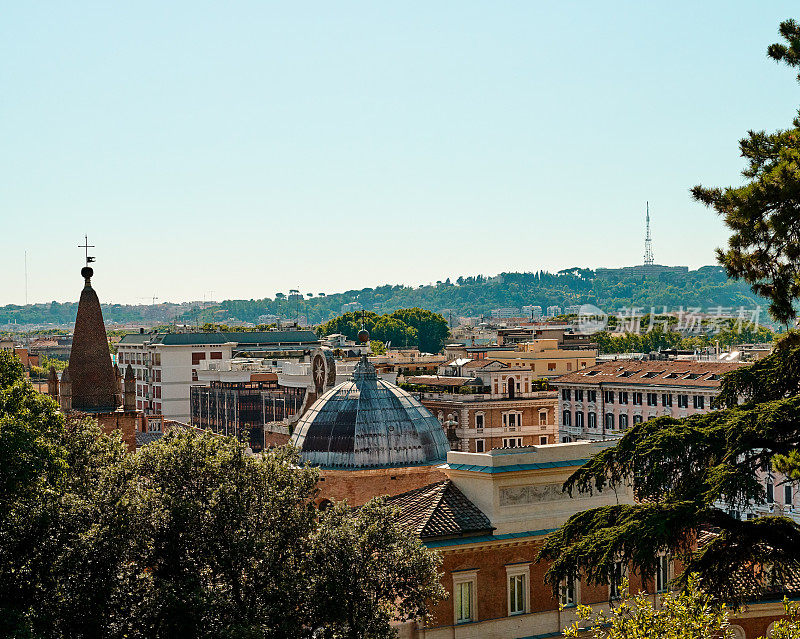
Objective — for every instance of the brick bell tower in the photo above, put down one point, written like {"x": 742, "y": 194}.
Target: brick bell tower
{"x": 94, "y": 384}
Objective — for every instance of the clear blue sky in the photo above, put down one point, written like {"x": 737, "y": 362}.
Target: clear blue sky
{"x": 246, "y": 148}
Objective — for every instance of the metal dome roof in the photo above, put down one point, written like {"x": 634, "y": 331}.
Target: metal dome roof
{"x": 367, "y": 422}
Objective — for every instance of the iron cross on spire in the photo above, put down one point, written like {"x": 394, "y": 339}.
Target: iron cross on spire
{"x": 86, "y": 246}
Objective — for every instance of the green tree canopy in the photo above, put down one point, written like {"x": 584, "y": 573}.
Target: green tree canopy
{"x": 190, "y": 536}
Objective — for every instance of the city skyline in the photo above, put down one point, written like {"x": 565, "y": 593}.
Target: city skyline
{"x": 251, "y": 149}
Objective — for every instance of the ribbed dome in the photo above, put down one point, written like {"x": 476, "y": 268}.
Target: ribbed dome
{"x": 367, "y": 422}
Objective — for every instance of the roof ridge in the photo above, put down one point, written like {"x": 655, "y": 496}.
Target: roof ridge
{"x": 445, "y": 484}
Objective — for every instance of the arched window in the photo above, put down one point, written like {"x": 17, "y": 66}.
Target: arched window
{"x": 567, "y": 418}
{"x": 324, "y": 505}
{"x": 512, "y": 387}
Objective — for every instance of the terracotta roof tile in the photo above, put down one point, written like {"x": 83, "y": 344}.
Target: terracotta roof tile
{"x": 440, "y": 510}
{"x": 651, "y": 373}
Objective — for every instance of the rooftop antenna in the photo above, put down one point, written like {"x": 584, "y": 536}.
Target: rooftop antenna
{"x": 26, "y": 278}
{"x": 648, "y": 242}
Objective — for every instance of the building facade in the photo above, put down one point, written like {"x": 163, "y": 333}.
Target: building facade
{"x": 602, "y": 401}
{"x": 489, "y": 518}
{"x": 167, "y": 364}
{"x": 244, "y": 409}
{"x": 505, "y": 408}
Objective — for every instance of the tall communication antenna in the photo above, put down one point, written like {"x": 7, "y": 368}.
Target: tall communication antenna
{"x": 26, "y": 278}
{"x": 648, "y": 242}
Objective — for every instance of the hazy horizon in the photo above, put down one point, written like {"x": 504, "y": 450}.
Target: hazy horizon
{"x": 247, "y": 149}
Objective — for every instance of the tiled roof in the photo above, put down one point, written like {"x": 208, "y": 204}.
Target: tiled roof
{"x": 651, "y": 373}
{"x": 440, "y": 510}
{"x": 146, "y": 438}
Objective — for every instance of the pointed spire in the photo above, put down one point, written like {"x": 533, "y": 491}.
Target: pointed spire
{"x": 93, "y": 381}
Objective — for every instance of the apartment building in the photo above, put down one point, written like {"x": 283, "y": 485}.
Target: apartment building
{"x": 490, "y": 406}
{"x": 166, "y": 364}
{"x": 600, "y": 402}
{"x": 547, "y": 358}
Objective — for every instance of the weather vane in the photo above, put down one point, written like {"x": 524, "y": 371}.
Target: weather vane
{"x": 86, "y": 246}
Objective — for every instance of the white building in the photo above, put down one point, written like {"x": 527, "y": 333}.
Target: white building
{"x": 167, "y": 364}
{"x": 505, "y": 313}
{"x": 532, "y": 311}
{"x": 553, "y": 311}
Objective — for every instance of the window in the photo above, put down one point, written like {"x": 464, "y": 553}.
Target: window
{"x": 662, "y": 573}
{"x": 637, "y": 399}
{"x": 699, "y": 401}
{"x": 787, "y": 495}
{"x": 591, "y": 396}
{"x": 216, "y": 355}
{"x": 637, "y": 419}
{"x": 591, "y": 420}
{"x": 623, "y": 422}
{"x": 566, "y": 593}
{"x": 579, "y": 419}
{"x": 666, "y": 399}
{"x": 197, "y": 357}
{"x": 618, "y": 573}
{"x": 542, "y": 418}
{"x": 542, "y": 440}
{"x": 566, "y": 394}
{"x": 551, "y": 366}
{"x": 512, "y": 421}
{"x": 578, "y": 395}
{"x": 608, "y": 397}
{"x": 465, "y": 606}
{"x": 479, "y": 421}
{"x": 480, "y": 446}
{"x": 683, "y": 401}
{"x": 157, "y": 359}
{"x": 610, "y": 421}
{"x": 566, "y": 419}
{"x": 623, "y": 397}
{"x": 652, "y": 399}
{"x": 518, "y": 575}
{"x": 770, "y": 492}
{"x": 512, "y": 442}
{"x": 569, "y": 366}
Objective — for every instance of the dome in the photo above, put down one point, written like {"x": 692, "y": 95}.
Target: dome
{"x": 367, "y": 422}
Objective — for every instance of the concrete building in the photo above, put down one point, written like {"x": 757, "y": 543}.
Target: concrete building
{"x": 504, "y": 313}
{"x": 553, "y": 311}
{"x": 545, "y": 357}
{"x": 600, "y": 402}
{"x": 494, "y": 406}
{"x": 534, "y": 312}
{"x": 166, "y": 364}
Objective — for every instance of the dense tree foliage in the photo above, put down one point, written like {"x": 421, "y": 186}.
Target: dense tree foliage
{"x": 691, "y": 614}
{"x": 687, "y": 473}
{"x": 707, "y": 287}
{"x": 189, "y": 536}
{"x": 404, "y": 328}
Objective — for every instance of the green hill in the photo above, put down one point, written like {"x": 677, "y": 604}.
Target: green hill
{"x": 707, "y": 287}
